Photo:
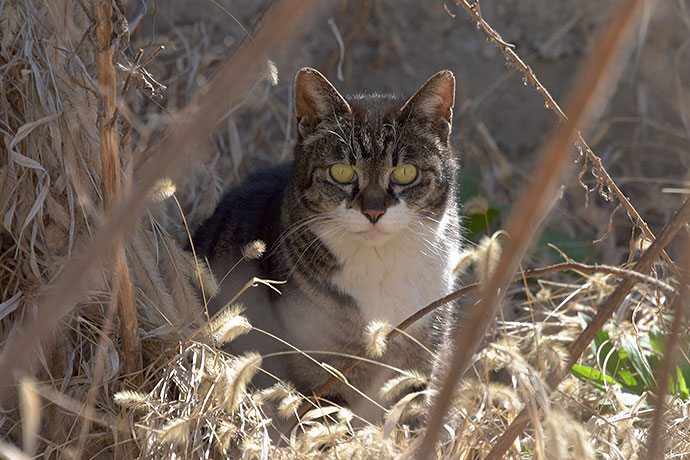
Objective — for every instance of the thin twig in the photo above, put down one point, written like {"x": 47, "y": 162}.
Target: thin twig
{"x": 603, "y": 315}
{"x": 512, "y": 58}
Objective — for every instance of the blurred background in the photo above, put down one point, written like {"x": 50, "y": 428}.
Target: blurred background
{"x": 500, "y": 121}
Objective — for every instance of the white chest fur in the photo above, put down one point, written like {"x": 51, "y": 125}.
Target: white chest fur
{"x": 393, "y": 280}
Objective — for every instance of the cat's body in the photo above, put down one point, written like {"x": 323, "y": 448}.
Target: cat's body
{"x": 363, "y": 226}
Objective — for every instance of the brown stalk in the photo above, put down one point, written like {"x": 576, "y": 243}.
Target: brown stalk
{"x": 533, "y": 205}
{"x": 237, "y": 73}
{"x": 605, "y": 312}
{"x": 512, "y": 58}
{"x": 655, "y": 441}
{"x": 110, "y": 164}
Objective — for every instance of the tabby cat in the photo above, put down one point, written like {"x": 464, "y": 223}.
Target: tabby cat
{"x": 363, "y": 226}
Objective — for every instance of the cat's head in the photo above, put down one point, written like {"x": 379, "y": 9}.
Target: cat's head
{"x": 374, "y": 164}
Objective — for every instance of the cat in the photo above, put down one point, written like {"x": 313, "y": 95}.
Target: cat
{"x": 363, "y": 225}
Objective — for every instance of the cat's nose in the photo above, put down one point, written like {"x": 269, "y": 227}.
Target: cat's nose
{"x": 373, "y": 214}
{"x": 373, "y": 202}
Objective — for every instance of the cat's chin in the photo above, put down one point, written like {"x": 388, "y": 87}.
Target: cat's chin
{"x": 373, "y": 236}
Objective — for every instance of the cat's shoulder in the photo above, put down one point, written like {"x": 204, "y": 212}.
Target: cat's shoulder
{"x": 245, "y": 212}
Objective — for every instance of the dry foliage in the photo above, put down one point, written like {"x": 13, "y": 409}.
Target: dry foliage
{"x": 189, "y": 399}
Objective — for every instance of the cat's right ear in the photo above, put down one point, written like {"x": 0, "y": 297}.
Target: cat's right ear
{"x": 316, "y": 100}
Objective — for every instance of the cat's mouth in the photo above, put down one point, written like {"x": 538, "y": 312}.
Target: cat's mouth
{"x": 372, "y": 234}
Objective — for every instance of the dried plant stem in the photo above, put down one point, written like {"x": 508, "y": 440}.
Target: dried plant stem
{"x": 512, "y": 58}
{"x": 110, "y": 164}
{"x": 254, "y": 282}
{"x": 655, "y": 443}
{"x": 237, "y": 73}
{"x": 605, "y": 312}
{"x": 472, "y": 288}
{"x": 595, "y": 78}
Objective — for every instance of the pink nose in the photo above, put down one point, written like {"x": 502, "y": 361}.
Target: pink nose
{"x": 373, "y": 214}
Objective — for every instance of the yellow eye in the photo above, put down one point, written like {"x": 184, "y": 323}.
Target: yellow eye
{"x": 404, "y": 174}
{"x": 342, "y": 173}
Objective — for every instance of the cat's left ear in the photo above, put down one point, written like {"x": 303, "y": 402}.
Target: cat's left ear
{"x": 434, "y": 102}
{"x": 316, "y": 100}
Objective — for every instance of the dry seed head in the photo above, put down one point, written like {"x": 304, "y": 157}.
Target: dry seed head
{"x": 251, "y": 449}
{"x": 495, "y": 355}
{"x": 163, "y": 189}
{"x": 376, "y": 338}
{"x": 229, "y": 325}
{"x": 288, "y": 405}
{"x": 254, "y": 250}
{"x": 486, "y": 256}
{"x": 238, "y": 375}
{"x": 504, "y": 397}
{"x": 476, "y": 205}
{"x": 403, "y": 383}
{"x": 407, "y": 406}
{"x": 464, "y": 261}
{"x": 566, "y": 438}
{"x": 30, "y": 409}
{"x": 175, "y": 431}
{"x": 543, "y": 294}
{"x": 226, "y": 432}
{"x": 279, "y": 390}
{"x": 129, "y": 399}
{"x": 272, "y": 72}
{"x": 345, "y": 414}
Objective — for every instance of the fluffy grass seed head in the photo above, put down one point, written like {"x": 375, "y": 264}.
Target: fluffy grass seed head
{"x": 487, "y": 255}
{"x": 272, "y": 72}
{"x": 375, "y": 338}
{"x": 238, "y": 375}
{"x": 228, "y": 325}
{"x": 277, "y": 391}
{"x": 163, "y": 189}
{"x": 566, "y": 438}
{"x": 289, "y": 405}
{"x": 175, "y": 431}
{"x": 254, "y": 250}
{"x": 130, "y": 399}
{"x": 397, "y": 386}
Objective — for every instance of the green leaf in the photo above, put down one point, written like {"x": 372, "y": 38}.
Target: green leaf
{"x": 476, "y": 223}
{"x": 591, "y": 375}
{"x": 657, "y": 340}
{"x": 638, "y": 362}
{"x": 625, "y": 378}
{"x": 617, "y": 365}
{"x": 681, "y": 387}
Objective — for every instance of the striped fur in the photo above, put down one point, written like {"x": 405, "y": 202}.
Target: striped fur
{"x": 342, "y": 270}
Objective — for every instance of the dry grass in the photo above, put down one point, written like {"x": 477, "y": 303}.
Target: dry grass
{"x": 70, "y": 397}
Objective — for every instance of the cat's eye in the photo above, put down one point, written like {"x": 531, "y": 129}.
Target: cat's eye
{"x": 404, "y": 174}
{"x": 343, "y": 173}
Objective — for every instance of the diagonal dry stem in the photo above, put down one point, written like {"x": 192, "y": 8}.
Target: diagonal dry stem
{"x": 237, "y": 73}
{"x": 534, "y": 203}
{"x": 603, "y": 315}
{"x": 655, "y": 441}
{"x": 512, "y": 58}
